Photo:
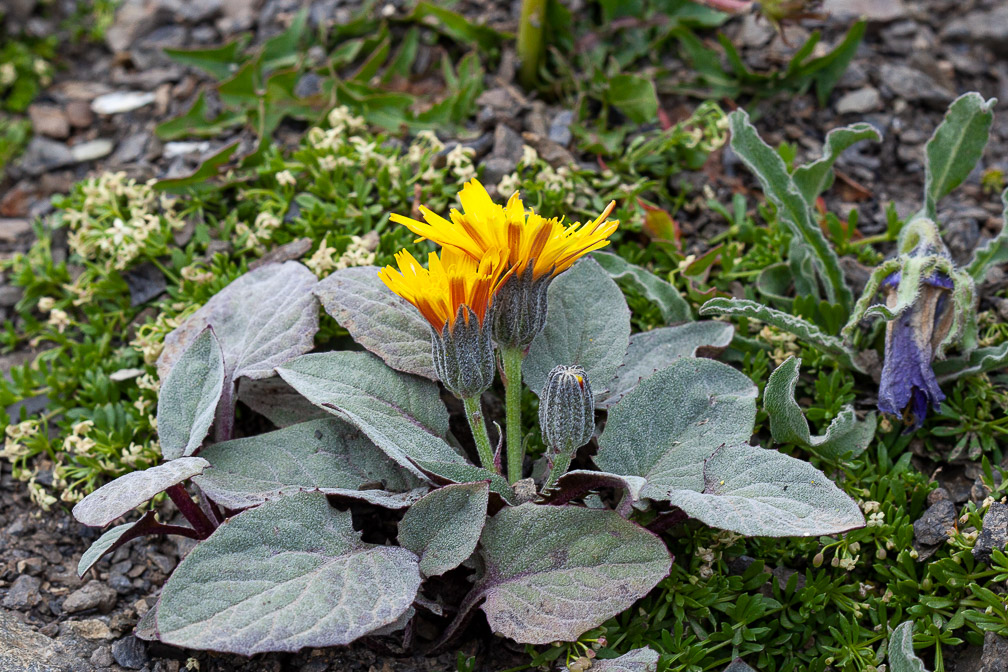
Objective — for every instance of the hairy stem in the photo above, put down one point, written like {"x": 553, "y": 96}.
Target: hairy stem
{"x": 530, "y": 40}
{"x": 224, "y": 417}
{"x": 191, "y": 510}
{"x": 474, "y": 414}
{"x": 559, "y": 466}
{"x": 512, "y": 360}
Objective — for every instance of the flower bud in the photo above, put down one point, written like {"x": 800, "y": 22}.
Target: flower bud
{"x": 463, "y": 355}
{"x": 566, "y": 417}
{"x": 520, "y": 309}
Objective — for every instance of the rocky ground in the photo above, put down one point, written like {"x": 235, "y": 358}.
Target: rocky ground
{"x": 99, "y": 115}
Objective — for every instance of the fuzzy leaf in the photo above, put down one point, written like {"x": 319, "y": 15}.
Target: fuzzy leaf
{"x": 286, "y": 575}
{"x": 264, "y": 318}
{"x": 381, "y": 321}
{"x": 278, "y": 402}
{"x": 955, "y": 147}
{"x": 463, "y": 472}
{"x": 189, "y": 396}
{"x": 444, "y": 527}
{"x": 980, "y": 360}
{"x": 328, "y": 455}
{"x": 129, "y": 491}
{"x": 587, "y": 323}
{"x": 554, "y": 572}
{"x": 792, "y": 324}
{"x": 651, "y": 351}
{"x": 738, "y": 665}
{"x": 814, "y": 178}
{"x": 994, "y": 251}
{"x": 402, "y": 414}
{"x": 845, "y": 435}
{"x": 673, "y": 307}
{"x": 108, "y": 542}
{"x": 778, "y": 186}
{"x": 901, "y": 650}
{"x": 638, "y": 660}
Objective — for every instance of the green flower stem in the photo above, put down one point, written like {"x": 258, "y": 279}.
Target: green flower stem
{"x": 530, "y": 40}
{"x": 561, "y": 463}
{"x": 512, "y": 360}
{"x": 479, "y": 431}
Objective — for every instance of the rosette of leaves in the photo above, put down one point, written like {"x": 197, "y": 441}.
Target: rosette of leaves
{"x": 280, "y": 564}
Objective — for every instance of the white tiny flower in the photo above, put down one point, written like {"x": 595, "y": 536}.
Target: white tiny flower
{"x": 286, "y": 178}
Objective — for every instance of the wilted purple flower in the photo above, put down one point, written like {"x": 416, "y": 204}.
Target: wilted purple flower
{"x": 908, "y": 384}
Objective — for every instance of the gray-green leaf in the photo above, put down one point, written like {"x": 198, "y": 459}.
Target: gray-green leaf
{"x": 673, "y": 307}
{"x": 554, "y": 572}
{"x": 463, "y": 472}
{"x": 956, "y": 146}
{"x": 651, "y": 351}
{"x": 328, "y": 455}
{"x": 189, "y": 396}
{"x": 845, "y": 435}
{"x": 381, "y": 321}
{"x": 402, "y": 414}
{"x": 129, "y": 491}
{"x": 444, "y": 527}
{"x": 980, "y": 360}
{"x": 638, "y": 660}
{"x": 994, "y": 251}
{"x": 278, "y": 402}
{"x": 901, "y": 650}
{"x": 814, "y": 178}
{"x": 286, "y": 575}
{"x": 112, "y": 539}
{"x": 587, "y": 323}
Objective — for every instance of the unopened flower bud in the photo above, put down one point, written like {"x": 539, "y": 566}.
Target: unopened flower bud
{"x": 521, "y": 309}
{"x": 566, "y": 416}
{"x": 818, "y": 559}
{"x": 463, "y": 355}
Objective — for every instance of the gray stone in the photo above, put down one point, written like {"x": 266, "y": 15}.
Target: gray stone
{"x": 133, "y": 19}
{"x": 989, "y": 28}
{"x": 494, "y": 169}
{"x": 866, "y": 99}
{"x": 994, "y": 533}
{"x": 118, "y": 102}
{"x": 102, "y": 657}
{"x": 14, "y": 230}
{"x": 43, "y": 155}
{"x": 873, "y": 10}
{"x": 507, "y": 145}
{"x": 913, "y": 85}
{"x": 559, "y": 128}
{"x": 93, "y": 595}
{"x": 934, "y": 524}
{"x": 132, "y": 148}
{"x": 49, "y": 120}
{"x": 23, "y": 593}
{"x": 24, "y": 650}
{"x": 130, "y": 652}
{"x": 995, "y": 654}
{"x": 755, "y": 31}
{"x": 79, "y": 114}
{"x": 91, "y": 150}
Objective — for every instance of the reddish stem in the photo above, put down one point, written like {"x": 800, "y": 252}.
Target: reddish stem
{"x": 191, "y": 510}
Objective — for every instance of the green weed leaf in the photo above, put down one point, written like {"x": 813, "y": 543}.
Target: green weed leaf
{"x": 673, "y": 307}
{"x": 955, "y": 147}
{"x": 994, "y": 252}
{"x": 814, "y": 178}
{"x": 634, "y": 96}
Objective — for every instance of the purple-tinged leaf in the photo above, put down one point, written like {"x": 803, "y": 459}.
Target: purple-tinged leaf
{"x": 123, "y": 534}
{"x": 443, "y": 527}
{"x": 189, "y": 396}
{"x": 380, "y": 320}
{"x": 283, "y": 576}
{"x": 131, "y": 490}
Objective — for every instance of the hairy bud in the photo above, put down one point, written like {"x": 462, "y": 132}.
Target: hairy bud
{"x": 566, "y": 416}
{"x": 520, "y": 309}
{"x": 463, "y": 355}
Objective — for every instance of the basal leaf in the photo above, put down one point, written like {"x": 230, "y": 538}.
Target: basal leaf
{"x": 328, "y": 455}
{"x": 199, "y": 179}
{"x": 189, "y": 395}
{"x": 278, "y": 402}
{"x": 671, "y": 422}
{"x": 125, "y": 533}
{"x": 901, "y": 650}
{"x": 980, "y": 360}
{"x": 403, "y": 415}
{"x": 457, "y": 26}
{"x": 651, "y": 351}
{"x": 955, "y": 147}
{"x": 814, "y": 178}
{"x": 381, "y": 321}
{"x": 638, "y": 660}
{"x": 218, "y": 62}
{"x": 846, "y": 435}
{"x": 129, "y": 491}
{"x": 587, "y": 323}
{"x": 286, "y": 575}
{"x": 634, "y": 96}
{"x": 994, "y": 251}
{"x": 264, "y": 318}
{"x": 194, "y": 123}
{"x": 463, "y": 472}
{"x": 444, "y": 527}
{"x": 673, "y": 307}
{"x": 759, "y": 492}
{"x": 554, "y": 572}
{"x": 778, "y": 186}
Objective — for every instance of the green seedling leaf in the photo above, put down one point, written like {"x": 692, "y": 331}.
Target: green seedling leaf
{"x": 955, "y": 147}
{"x": 587, "y": 323}
{"x": 901, "y": 650}
{"x": 328, "y": 455}
{"x": 828, "y": 69}
{"x": 286, "y": 575}
{"x": 208, "y": 169}
{"x": 980, "y": 360}
{"x": 814, "y": 178}
{"x": 189, "y": 396}
{"x": 634, "y": 96}
{"x": 457, "y": 27}
{"x": 778, "y": 186}
{"x": 129, "y": 491}
{"x": 994, "y": 252}
{"x": 673, "y": 307}
{"x": 651, "y": 351}
{"x": 278, "y": 402}
{"x": 444, "y": 527}
{"x": 381, "y": 321}
{"x": 283, "y": 50}
{"x": 194, "y": 123}
{"x": 638, "y": 660}
{"x": 264, "y": 318}
{"x": 554, "y": 572}
{"x": 463, "y": 472}
{"x": 120, "y": 535}
{"x": 402, "y": 414}
{"x": 846, "y": 435}
{"x": 219, "y": 62}
{"x": 792, "y": 324}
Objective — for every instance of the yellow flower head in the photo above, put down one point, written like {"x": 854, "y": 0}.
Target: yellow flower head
{"x": 453, "y": 280}
{"x": 527, "y": 239}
